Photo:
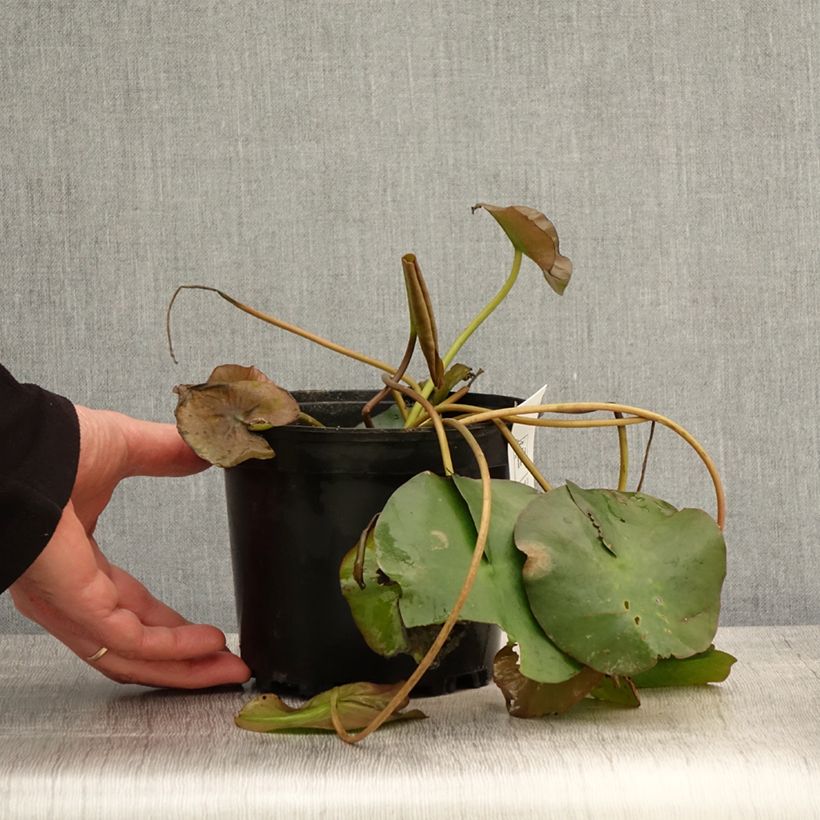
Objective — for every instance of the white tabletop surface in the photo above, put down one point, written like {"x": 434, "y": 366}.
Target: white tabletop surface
{"x": 73, "y": 744}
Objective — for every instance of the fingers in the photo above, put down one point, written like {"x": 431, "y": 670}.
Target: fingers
{"x": 124, "y": 633}
{"x": 217, "y": 669}
{"x": 156, "y": 449}
{"x": 87, "y": 603}
{"x": 135, "y": 597}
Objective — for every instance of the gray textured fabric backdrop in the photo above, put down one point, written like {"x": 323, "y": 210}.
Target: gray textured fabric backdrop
{"x": 290, "y": 153}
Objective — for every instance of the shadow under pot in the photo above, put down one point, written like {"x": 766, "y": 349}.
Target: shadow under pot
{"x": 294, "y": 517}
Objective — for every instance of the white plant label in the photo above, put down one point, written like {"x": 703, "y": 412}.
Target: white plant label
{"x": 525, "y": 436}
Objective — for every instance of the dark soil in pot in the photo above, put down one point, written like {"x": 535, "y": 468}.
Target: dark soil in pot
{"x": 293, "y": 518}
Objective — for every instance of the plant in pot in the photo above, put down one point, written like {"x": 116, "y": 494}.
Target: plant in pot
{"x": 380, "y": 548}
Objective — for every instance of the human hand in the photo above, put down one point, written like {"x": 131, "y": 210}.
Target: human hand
{"x": 87, "y": 603}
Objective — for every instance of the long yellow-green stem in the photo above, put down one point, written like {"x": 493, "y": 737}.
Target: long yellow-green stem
{"x": 399, "y": 400}
{"x": 290, "y": 328}
{"x": 470, "y": 329}
{"x": 452, "y": 618}
{"x": 470, "y": 410}
{"x": 444, "y": 405}
{"x": 431, "y": 411}
{"x": 591, "y": 407}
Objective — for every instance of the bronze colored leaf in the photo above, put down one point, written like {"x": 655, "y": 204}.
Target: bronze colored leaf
{"x": 535, "y": 236}
{"x": 236, "y": 373}
{"x": 218, "y": 419}
{"x": 422, "y": 318}
{"x": 527, "y": 698}
{"x": 356, "y": 703}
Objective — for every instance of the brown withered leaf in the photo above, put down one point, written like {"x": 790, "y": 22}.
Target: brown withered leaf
{"x": 535, "y": 236}
{"x": 527, "y": 698}
{"x": 237, "y": 373}
{"x": 422, "y": 318}
{"x": 218, "y": 419}
{"x": 356, "y": 703}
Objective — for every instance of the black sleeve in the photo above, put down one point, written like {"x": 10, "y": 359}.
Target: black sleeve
{"x": 39, "y": 450}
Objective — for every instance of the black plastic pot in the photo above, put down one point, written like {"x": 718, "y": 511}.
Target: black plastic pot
{"x": 293, "y": 518}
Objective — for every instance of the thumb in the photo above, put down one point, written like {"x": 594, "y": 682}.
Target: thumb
{"x": 155, "y": 449}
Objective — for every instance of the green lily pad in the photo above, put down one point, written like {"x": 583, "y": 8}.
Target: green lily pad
{"x": 619, "y": 580}
{"x": 375, "y": 610}
{"x": 375, "y": 607}
{"x": 356, "y": 703}
{"x": 387, "y": 420}
{"x": 540, "y": 659}
{"x": 711, "y": 666}
{"x": 424, "y": 541}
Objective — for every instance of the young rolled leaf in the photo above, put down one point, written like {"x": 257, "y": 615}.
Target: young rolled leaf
{"x": 711, "y": 666}
{"x": 535, "y": 236}
{"x": 218, "y": 419}
{"x": 357, "y": 704}
{"x": 422, "y": 319}
{"x": 619, "y": 580}
{"x": 527, "y": 698}
{"x": 424, "y": 541}
{"x": 455, "y": 373}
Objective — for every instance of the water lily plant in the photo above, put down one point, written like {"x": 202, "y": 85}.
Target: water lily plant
{"x": 601, "y": 592}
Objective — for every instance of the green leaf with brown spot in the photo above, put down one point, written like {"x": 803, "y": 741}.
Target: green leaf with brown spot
{"x": 424, "y": 542}
{"x": 619, "y": 580}
{"x": 356, "y": 703}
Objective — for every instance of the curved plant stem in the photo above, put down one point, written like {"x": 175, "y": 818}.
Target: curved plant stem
{"x": 455, "y": 398}
{"x": 470, "y": 329}
{"x": 399, "y": 400}
{"x": 447, "y": 627}
{"x": 371, "y": 405}
{"x": 486, "y": 310}
{"x": 623, "y": 452}
{"x": 610, "y": 407}
{"x": 470, "y": 410}
{"x": 290, "y": 328}
{"x": 524, "y": 458}
{"x": 645, "y": 458}
{"x": 358, "y": 564}
{"x": 437, "y": 422}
